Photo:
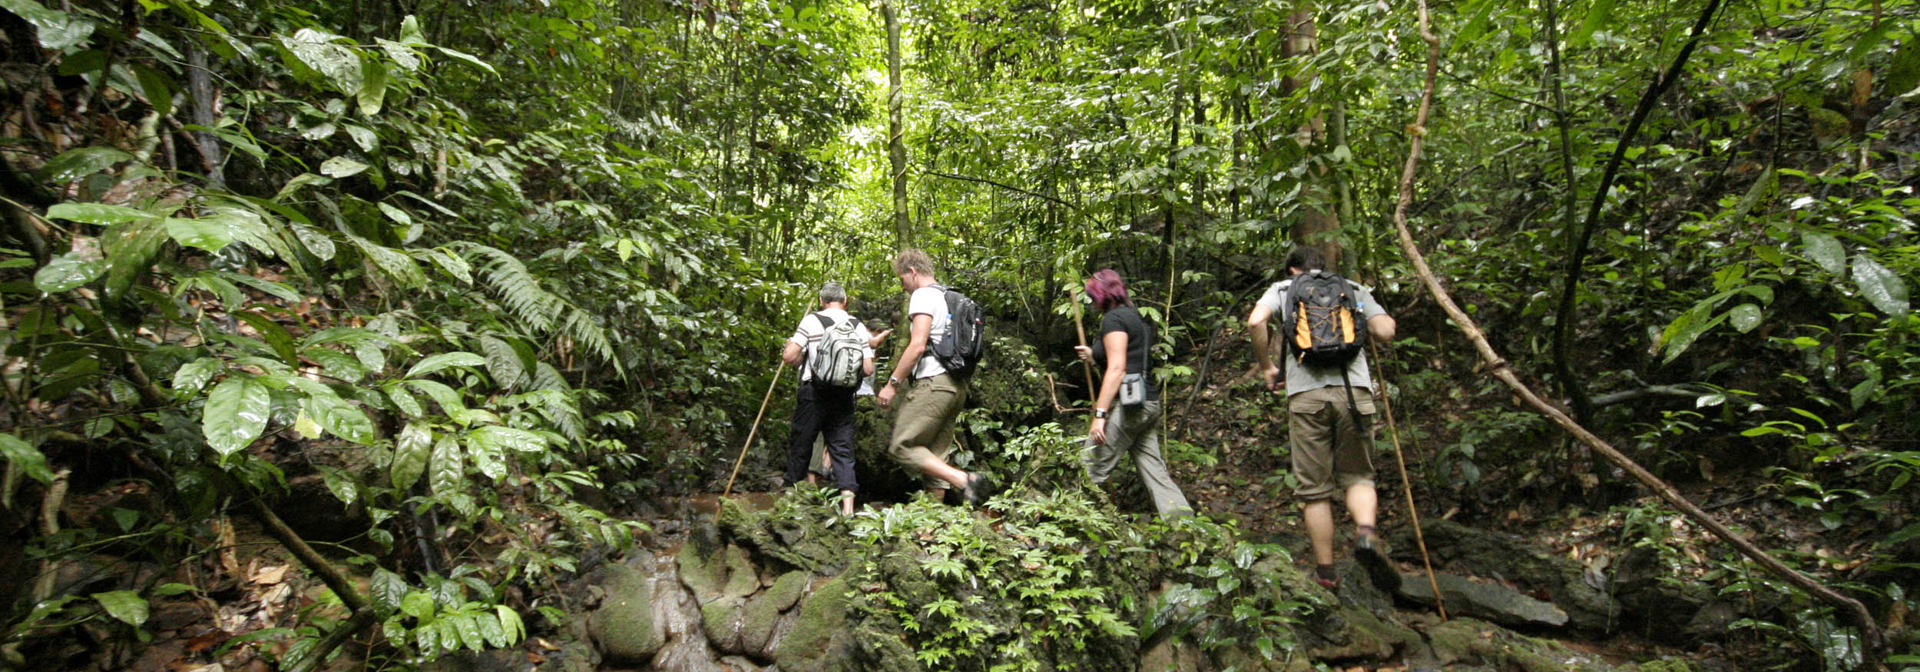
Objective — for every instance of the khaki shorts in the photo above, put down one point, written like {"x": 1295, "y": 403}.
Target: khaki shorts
{"x": 1330, "y": 452}
{"x": 923, "y": 427}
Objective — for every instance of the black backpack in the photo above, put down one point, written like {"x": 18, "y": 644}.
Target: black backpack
{"x": 966, "y": 335}
{"x": 1322, "y": 321}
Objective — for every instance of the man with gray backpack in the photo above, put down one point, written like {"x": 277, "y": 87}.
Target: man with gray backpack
{"x": 1324, "y": 323}
{"x": 834, "y": 353}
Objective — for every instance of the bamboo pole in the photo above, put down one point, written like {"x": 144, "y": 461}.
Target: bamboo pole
{"x": 1871, "y": 637}
{"x": 1406, "y": 483}
{"x": 777, "y": 375}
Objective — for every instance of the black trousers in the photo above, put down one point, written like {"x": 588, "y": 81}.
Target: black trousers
{"x": 820, "y": 409}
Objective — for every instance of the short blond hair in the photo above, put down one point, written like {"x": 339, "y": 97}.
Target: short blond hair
{"x": 914, "y": 261}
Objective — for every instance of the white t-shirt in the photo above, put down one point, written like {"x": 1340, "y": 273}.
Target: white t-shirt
{"x": 1300, "y": 377}
{"x": 932, "y": 301}
{"x": 810, "y": 331}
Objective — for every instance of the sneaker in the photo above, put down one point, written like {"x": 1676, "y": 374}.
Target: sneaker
{"x": 978, "y": 489}
{"x": 1326, "y": 576}
{"x": 1370, "y": 552}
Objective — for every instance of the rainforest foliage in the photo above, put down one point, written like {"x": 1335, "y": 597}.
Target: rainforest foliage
{"x": 492, "y": 274}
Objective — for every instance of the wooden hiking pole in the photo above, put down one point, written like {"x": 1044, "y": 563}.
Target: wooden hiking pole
{"x": 777, "y": 375}
{"x": 1406, "y": 482}
{"x": 1080, "y": 330}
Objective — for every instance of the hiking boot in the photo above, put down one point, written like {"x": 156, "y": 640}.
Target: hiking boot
{"x": 1326, "y": 576}
{"x": 978, "y": 489}
{"x": 1371, "y": 553}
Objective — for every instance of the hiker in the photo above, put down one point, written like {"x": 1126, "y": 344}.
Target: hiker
{"x": 923, "y": 425}
{"x": 1332, "y": 449}
{"x": 834, "y": 353}
{"x": 821, "y": 463}
{"x": 1126, "y": 411}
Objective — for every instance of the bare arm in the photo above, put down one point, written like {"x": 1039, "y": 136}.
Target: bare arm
{"x": 1381, "y": 327}
{"x": 1257, "y": 328}
{"x": 792, "y": 355}
{"x": 1116, "y": 344}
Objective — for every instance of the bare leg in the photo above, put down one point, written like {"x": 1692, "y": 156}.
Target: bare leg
{"x": 1363, "y": 502}
{"x": 1319, "y": 518}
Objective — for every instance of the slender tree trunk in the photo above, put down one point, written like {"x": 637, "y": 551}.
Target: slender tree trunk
{"x": 1319, "y": 222}
{"x": 896, "y": 128}
{"x": 1577, "y": 253}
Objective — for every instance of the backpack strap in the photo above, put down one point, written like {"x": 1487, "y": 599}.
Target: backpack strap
{"x": 825, "y": 322}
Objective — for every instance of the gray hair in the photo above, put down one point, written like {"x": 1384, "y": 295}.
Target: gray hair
{"x": 832, "y": 292}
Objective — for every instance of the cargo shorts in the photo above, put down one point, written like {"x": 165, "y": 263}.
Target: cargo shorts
{"x": 923, "y": 427}
{"x": 1331, "y": 453}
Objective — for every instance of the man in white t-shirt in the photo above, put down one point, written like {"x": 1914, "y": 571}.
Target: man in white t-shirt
{"x": 820, "y": 408}
{"x": 923, "y": 426}
{"x": 1332, "y": 450}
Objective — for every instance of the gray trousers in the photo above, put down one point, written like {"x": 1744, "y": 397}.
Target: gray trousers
{"x": 1136, "y": 429}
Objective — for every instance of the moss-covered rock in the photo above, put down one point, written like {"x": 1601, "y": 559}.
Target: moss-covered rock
{"x": 816, "y": 642}
{"x": 623, "y": 627}
{"x": 1469, "y": 641}
{"x": 1666, "y": 665}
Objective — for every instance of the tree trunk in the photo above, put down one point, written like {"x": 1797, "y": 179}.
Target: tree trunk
{"x": 896, "y": 127}
{"x": 1319, "y": 223}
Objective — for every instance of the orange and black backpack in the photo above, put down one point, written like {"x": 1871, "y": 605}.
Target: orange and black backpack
{"x": 1322, "y": 320}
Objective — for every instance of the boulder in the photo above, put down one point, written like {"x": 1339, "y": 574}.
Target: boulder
{"x": 817, "y": 642}
{"x": 1485, "y": 601}
{"x": 1512, "y": 558}
{"x": 623, "y": 628}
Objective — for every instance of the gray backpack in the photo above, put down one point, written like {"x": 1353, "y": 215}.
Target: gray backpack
{"x": 836, "y": 360}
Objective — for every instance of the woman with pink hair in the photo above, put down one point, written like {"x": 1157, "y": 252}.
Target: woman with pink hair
{"x": 1126, "y": 411}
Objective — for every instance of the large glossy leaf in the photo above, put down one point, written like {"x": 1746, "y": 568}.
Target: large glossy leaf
{"x": 97, "y": 213}
{"x": 78, "y": 163}
{"x": 503, "y": 362}
{"x": 340, "y": 166}
{"x": 155, "y": 86}
{"x": 1744, "y": 317}
{"x": 192, "y": 376}
{"x": 342, "y": 418}
{"x": 130, "y": 249}
{"x": 275, "y": 335}
{"x": 1684, "y": 330}
{"x": 56, "y": 30}
{"x": 448, "y": 399}
{"x": 235, "y": 415}
{"x": 337, "y": 63}
{"x": 1885, "y": 290}
{"x": 445, "y": 361}
{"x": 125, "y": 606}
{"x": 411, "y": 450}
{"x": 373, "y": 87}
{"x": 510, "y": 438}
{"x": 209, "y": 234}
{"x": 1826, "y": 251}
{"x": 1903, "y": 73}
{"x": 388, "y": 590}
{"x": 396, "y": 264}
{"x": 341, "y": 484}
{"x": 67, "y": 271}
{"x": 26, "y": 458}
{"x": 487, "y": 456}
{"x": 316, "y": 241}
{"x": 447, "y": 470}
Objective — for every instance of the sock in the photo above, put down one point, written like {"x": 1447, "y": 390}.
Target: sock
{"x": 1366, "y": 530}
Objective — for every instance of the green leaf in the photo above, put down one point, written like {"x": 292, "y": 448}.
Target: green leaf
{"x": 56, "y": 30}
{"x": 467, "y": 624}
{"x": 510, "y": 621}
{"x": 340, "y": 166}
{"x": 411, "y": 450}
{"x": 130, "y": 250}
{"x": 294, "y": 185}
{"x": 388, "y": 590}
{"x": 1864, "y": 393}
{"x": 192, "y": 376}
{"x": 399, "y": 53}
{"x": 410, "y": 33}
{"x": 97, "y": 213}
{"x": 404, "y": 400}
{"x": 418, "y": 604}
{"x": 490, "y": 628}
{"x": 1598, "y": 16}
{"x": 342, "y": 419}
{"x": 448, "y": 399}
{"x": 514, "y": 439}
{"x": 373, "y": 87}
{"x": 125, "y": 606}
{"x": 447, "y": 468}
{"x": 343, "y": 487}
{"x": 445, "y": 361}
{"x": 275, "y": 335}
{"x": 235, "y": 415}
{"x": 1681, "y": 333}
{"x": 1825, "y": 251}
{"x": 155, "y": 86}
{"x": 337, "y": 63}
{"x": 1882, "y": 288}
{"x": 486, "y": 456}
{"x": 67, "y": 271}
{"x": 397, "y": 265}
{"x": 1744, "y": 317}
{"x": 209, "y": 234}
{"x": 503, "y": 362}
{"x": 315, "y": 240}
{"x": 78, "y": 163}
{"x": 28, "y": 459}
{"x": 467, "y": 58}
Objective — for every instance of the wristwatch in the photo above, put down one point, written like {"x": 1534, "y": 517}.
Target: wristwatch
{"x": 893, "y": 381}
{"x": 1100, "y": 413}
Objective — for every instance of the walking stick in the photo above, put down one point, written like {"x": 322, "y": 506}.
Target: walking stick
{"x": 1080, "y": 330}
{"x": 782, "y": 371}
{"x": 1393, "y": 432}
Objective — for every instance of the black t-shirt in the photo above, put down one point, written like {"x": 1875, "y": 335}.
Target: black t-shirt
{"x": 1139, "y": 342}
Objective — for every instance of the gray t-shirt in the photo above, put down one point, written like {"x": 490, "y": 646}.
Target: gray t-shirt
{"x": 1302, "y": 378}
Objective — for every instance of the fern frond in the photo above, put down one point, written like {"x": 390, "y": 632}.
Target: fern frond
{"x": 586, "y": 332}
{"x": 521, "y": 292}
{"x": 562, "y": 409}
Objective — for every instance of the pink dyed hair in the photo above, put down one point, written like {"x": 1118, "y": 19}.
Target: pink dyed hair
{"x": 1107, "y": 289}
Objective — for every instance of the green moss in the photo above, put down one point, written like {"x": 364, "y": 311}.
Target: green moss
{"x": 822, "y": 615}
{"x": 788, "y": 589}
{"x": 623, "y": 626}
{"x": 1666, "y": 665}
